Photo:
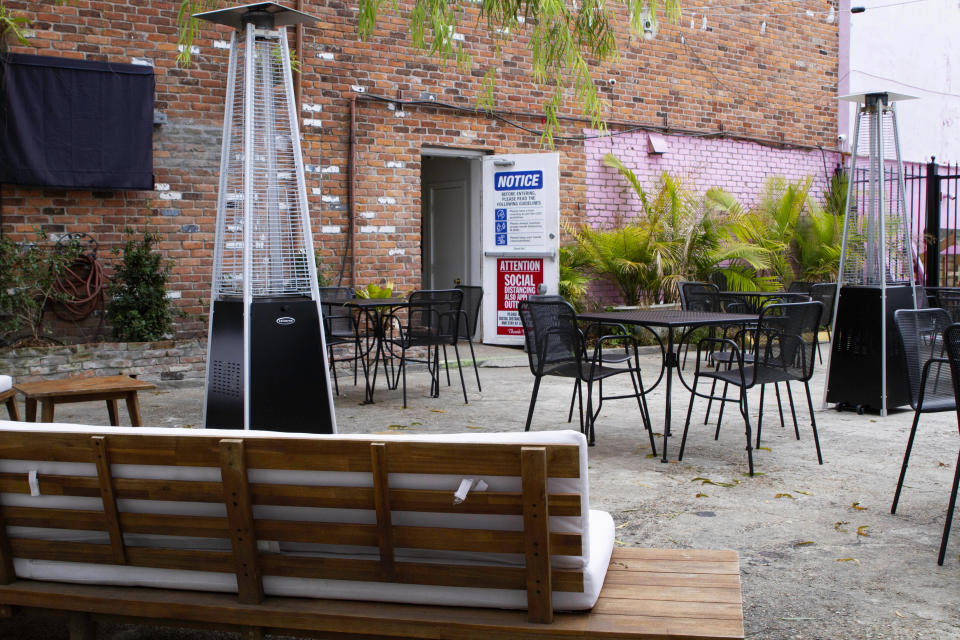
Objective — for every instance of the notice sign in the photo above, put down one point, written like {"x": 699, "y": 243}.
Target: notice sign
{"x": 519, "y": 212}
{"x": 516, "y": 279}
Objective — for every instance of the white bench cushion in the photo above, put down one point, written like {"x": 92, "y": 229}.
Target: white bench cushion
{"x": 5, "y": 383}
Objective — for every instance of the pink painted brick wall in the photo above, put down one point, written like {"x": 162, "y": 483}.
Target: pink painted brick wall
{"x": 739, "y": 167}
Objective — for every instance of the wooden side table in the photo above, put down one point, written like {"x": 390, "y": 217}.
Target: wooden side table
{"x": 110, "y": 388}
{"x": 9, "y": 397}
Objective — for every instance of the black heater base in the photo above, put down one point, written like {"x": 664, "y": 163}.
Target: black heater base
{"x": 855, "y": 362}
{"x": 288, "y": 367}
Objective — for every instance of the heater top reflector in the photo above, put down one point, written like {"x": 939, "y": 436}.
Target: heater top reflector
{"x": 234, "y": 16}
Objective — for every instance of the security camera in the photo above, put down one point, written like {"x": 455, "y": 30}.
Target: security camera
{"x": 612, "y": 81}
{"x": 841, "y": 138}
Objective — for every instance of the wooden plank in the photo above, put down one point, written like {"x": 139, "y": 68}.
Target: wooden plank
{"x": 569, "y": 544}
{"x": 450, "y": 575}
{"x": 113, "y": 414}
{"x": 111, "y": 520}
{"x": 7, "y": 573}
{"x": 675, "y": 555}
{"x": 308, "y": 454}
{"x": 536, "y": 529}
{"x": 653, "y": 579}
{"x": 336, "y": 497}
{"x": 669, "y": 608}
{"x": 236, "y": 494}
{"x": 81, "y": 519}
{"x": 381, "y": 502}
{"x": 693, "y": 592}
{"x": 190, "y": 560}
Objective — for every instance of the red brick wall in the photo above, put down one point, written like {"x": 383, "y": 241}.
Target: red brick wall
{"x": 728, "y": 79}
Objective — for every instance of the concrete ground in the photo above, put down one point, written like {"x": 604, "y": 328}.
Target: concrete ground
{"x": 821, "y": 555}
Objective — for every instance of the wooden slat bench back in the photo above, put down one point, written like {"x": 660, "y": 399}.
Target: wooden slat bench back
{"x": 234, "y": 457}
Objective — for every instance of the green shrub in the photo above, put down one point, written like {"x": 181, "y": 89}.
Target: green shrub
{"x": 28, "y": 284}
{"x": 139, "y": 308}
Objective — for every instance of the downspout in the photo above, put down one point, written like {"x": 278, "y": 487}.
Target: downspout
{"x": 351, "y": 189}
{"x": 298, "y": 84}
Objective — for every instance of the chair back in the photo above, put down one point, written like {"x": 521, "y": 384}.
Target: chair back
{"x": 551, "y": 336}
{"x": 699, "y": 296}
{"x": 950, "y": 300}
{"x": 921, "y": 335}
{"x": 472, "y": 297}
{"x": 800, "y": 286}
{"x": 951, "y": 338}
{"x": 921, "y": 296}
{"x": 433, "y": 316}
{"x": 338, "y": 320}
{"x": 786, "y": 339}
{"x": 826, "y": 294}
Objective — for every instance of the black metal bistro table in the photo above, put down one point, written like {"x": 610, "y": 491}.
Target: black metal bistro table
{"x": 374, "y": 311}
{"x": 671, "y": 320}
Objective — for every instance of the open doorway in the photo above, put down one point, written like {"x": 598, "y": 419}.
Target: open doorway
{"x": 450, "y": 213}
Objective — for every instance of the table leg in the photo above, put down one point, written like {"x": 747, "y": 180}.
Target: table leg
{"x": 46, "y": 411}
{"x": 12, "y": 408}
{"x": 31, "y": 404}
{"x": 671, "y": 358}
{"x": 112, "y": 412}
{"x": 133, "y": 408}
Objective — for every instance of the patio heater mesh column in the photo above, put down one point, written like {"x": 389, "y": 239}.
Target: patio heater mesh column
{"x": 266, "y": 357}
{"x": 876, "y": 274}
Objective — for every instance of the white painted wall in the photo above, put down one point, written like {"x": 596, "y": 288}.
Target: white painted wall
{"x": 911, "y": 48}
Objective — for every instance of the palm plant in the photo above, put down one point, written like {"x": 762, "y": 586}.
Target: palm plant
{"x": 680, "y": 237}
{"x": 574, "y": 281}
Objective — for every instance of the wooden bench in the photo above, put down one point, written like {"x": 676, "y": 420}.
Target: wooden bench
{"x": 110, "y": 388}
{"x": 269, "y": 498}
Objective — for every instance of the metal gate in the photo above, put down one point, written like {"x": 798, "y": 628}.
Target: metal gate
{"x": 931, "y": 203}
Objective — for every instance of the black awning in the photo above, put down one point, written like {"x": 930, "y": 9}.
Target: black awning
{"x": 75, "y": 124}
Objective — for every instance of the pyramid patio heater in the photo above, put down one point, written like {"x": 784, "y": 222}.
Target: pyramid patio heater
{"x": 865, "y": 369}
{"x": 266, "y": 362}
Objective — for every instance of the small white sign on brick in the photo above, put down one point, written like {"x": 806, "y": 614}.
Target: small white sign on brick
{"x": 325, "y": 55}
{"x": 312, "y": 122}
{"x": 397, "y": 252}
{"x": 330, "y": 229}
{"x": 161, "y": 186}
{"x": 143, "y": 62}
{"x": 395, "y": 164}
{"x": 171, "y": 195}
{"x": 388, "y": 229}
{"x": 330, "y": 199}
{"x": 221, "y": 44}
{"x": 173, "y": 295}
{"x": 317, "y": 191}
{"x": 331, "y": 169}
{"x": 386, "y": 200}
{"x": 368, "y": 229}
{"x": 313, "y": 108}
{"x": 368, "y": 215}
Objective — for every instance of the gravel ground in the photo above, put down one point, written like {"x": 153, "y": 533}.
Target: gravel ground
{"x": 821, "y": 555}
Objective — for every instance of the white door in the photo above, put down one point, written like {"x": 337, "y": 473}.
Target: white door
{"x": 447, "y": 258}
{"x": 520, "y": 220}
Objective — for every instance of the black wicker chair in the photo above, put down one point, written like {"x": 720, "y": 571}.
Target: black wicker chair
{"x": 556, "y": 346}
{"x": 340, "y": 328}
{"x": 825, "y": 293}
{"x": 952, "y": 338}
{"x": 430, "y": 319}
{"x": 469, "y": 313}
{"x": 929, "y": 376}
{"x": 783, "y": 349}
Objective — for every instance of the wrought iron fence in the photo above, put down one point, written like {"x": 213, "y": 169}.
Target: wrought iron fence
{"x": 930, "y": 195}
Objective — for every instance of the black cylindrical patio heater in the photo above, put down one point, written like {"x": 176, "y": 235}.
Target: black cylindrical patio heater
{"x": 266, "y": 358}
{"x": 876, "y": 276}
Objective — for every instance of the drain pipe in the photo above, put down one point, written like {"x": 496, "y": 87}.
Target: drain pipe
{"x": 298, "y": 85}
{"x": 351, "y": 189}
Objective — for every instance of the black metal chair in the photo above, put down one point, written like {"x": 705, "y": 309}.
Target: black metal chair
{"x": 556, "y": 346}
{"x": 950, "y": 300}
{"x": 929, "y": 376}
{"x": 952, "y": 338}
{"x": 799, "y": 286}
{"x": 783, "y": 349}
{"x": 469, "y": 313}
{"x": 826, "y": 294}
{"x": 430, "y": 319}
{"x": 340, "y": 328}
